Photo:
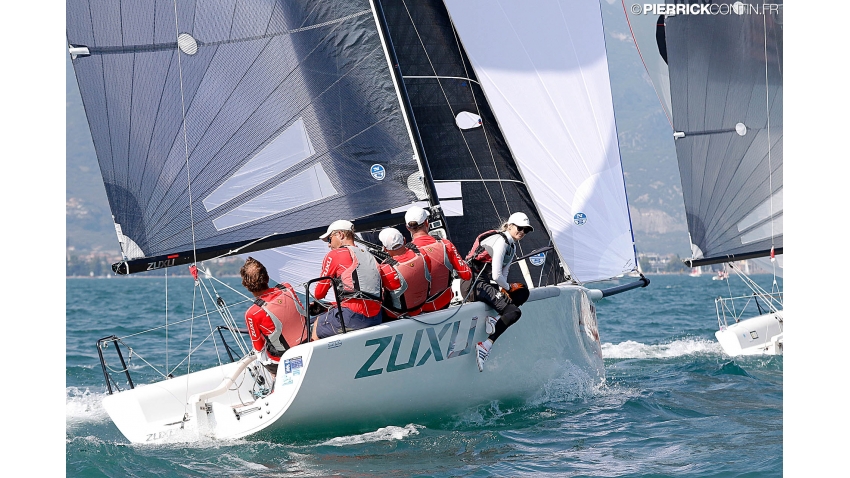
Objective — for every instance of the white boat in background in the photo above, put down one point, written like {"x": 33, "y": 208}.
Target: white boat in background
{"x": 695, "y": 272}
{"x": 251, "y": 130}
{"x": 719, "y": 78}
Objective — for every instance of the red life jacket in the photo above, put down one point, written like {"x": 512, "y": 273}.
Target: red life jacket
{"x": 478, "y": 252}
{"x": 415, "y": 281}
{"x": 288, "y": 316}
{"x": 362, "y": 279}
{"x": 441, "y": 268}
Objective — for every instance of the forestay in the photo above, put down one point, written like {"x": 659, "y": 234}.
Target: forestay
{"x": 544, "y": 71}
{"x": 214, "y": 130}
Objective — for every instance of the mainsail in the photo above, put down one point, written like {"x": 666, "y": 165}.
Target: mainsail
{"x": 726, "y": 90}
{"x": 251, "y": 129}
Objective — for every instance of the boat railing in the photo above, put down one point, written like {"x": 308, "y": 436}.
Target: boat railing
{"x": 124, "y": 353}
{"x": 734, "y": 308}
{"x": 116, "y": 343}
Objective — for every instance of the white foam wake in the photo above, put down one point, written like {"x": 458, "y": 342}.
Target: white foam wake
{"x": 381, "y": 434}
{"x": 677, "y": 348}
{"x": 83, "y": 406}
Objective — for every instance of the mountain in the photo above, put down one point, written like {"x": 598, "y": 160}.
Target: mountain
{"x": 645, "y": 136}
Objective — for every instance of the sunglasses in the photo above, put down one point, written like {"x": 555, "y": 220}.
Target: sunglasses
{"x": 525, "y": 230}
{"x": 328, "y": 239}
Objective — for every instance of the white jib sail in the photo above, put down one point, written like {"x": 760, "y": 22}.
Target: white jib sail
{"x": 544, "y": 69}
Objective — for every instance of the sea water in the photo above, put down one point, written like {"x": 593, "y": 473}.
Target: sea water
{"x": 672, "y": 403}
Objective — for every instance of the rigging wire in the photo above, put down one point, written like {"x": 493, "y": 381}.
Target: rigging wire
{"x": 448, "y": 103}
{"x": 769, "y": 148}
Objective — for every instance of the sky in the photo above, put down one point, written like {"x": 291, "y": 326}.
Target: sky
{"x": 816, "y": 172}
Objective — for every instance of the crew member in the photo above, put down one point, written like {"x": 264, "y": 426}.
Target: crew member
{"x": 276, "y": 321}
{"x": 358, "y": 284}
{"x": 490, "y": 259}
{"x": 413, "y": 272}
{"x": 443, "y": 258}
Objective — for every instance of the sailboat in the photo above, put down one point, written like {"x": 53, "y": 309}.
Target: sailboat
{"x": 248, "y": 127}
{"x": 725, "y": 104}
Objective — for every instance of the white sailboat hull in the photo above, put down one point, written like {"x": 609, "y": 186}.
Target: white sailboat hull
{"x": 762, "y": 335}
{"x": 394, "y": 373}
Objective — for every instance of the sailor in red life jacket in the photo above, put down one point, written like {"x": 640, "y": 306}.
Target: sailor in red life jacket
{"x": 277, "y": 320}
{"x": 413, "y": 272}
{"x": 490, "y": 260}
{"x": 359, "y": 288}
{"x": 443, "y": 259}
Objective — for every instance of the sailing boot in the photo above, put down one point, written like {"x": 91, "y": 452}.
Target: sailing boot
{"x": 482, "y": 351}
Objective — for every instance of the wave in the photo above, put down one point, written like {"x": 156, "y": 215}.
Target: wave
{"x": 84, "y": 406}
{"x": 382, "y": 434}
{"x": 677, "y": 348}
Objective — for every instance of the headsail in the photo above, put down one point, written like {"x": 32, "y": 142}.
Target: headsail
{"x": 544, "y": 71}
{"x": 726, "y": 86}
{"x": 217, "y": 130}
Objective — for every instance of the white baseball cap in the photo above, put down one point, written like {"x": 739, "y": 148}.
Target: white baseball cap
{"x": 391, "y": 238}
{"x": 340, "y": 225}
{"x": 415, "y": 214}
{"x": 519, "y": 219}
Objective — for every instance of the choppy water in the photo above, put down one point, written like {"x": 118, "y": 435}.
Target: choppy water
{"x": 672, "y": 403}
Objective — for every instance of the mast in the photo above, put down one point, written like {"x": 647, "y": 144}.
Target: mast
{"x": 437, "y": 221}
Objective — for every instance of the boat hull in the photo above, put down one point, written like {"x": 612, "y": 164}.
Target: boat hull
{"x": 395, "y": 373}
{"x": 761, "y": 335}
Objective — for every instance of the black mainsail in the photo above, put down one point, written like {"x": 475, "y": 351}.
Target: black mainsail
{"x": 253, "y": 129}
{"x": 726, "y": 89}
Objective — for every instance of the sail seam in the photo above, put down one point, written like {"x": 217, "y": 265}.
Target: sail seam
{"x": 442, "y": 77}
{"x": 478, "y": 181}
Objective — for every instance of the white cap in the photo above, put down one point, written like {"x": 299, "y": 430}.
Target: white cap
{"x": 340, "y": 225}
{"x": 520, "y": 219}
{"x": 391, "y": 238}
{"x": 415, "y": 214}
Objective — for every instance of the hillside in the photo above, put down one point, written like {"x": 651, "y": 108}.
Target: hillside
{"x": 645, "y": 137}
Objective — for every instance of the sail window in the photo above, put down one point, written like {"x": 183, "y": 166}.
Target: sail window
{"x": 308, "y": 186}
{"x": 187, "y": 44}
{"x": 449, "y": 190}
{"x": 762, "y": 211}
{"x": 451, "y": 198}
{"x": 467, "y": 120}
{"x": 765, "y": 231}
{"x": 286, "y": 150}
